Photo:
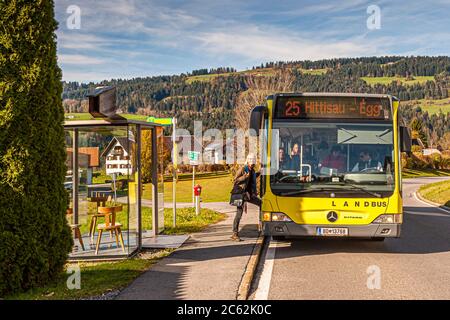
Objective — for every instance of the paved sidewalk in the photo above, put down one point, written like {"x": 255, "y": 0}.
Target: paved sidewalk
{"x": 208, "y": 266}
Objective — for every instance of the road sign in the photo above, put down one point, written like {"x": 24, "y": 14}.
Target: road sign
{"x": 193, "y": 157}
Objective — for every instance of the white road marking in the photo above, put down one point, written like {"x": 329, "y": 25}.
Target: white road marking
{"x": 429, "y": 204}
{"x": 262, "y": 292}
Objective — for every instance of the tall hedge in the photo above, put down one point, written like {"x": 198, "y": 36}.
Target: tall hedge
{"x": 34, "y": 236}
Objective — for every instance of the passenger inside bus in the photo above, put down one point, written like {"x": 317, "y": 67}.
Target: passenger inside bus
{"x": 294, "y": 163}
{"x": 335, "y": 160}
{"x": 366, "y": 162}
{"x": 284, "y": 163}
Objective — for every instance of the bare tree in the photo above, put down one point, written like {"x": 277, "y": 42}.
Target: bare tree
{"x": 259, "y": 87}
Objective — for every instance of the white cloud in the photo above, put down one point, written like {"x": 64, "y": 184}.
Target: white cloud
{"x": 120, "y": 7}
{"x": 275, "y": 45}
{"x": 325, "y": 7}
{"x": 69, "y": 75}
{"x": 76, "y": 40}
{"x": 78, "y": 59}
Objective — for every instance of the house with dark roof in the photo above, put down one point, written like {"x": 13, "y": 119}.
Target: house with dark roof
{"x": 88, "y": 159}
{"x": 118, "y": 156}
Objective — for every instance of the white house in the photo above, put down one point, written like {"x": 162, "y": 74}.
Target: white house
{"x": 215, "y": 153}
{"x": 430, "y": 151}
{"x": 118, "y": 156}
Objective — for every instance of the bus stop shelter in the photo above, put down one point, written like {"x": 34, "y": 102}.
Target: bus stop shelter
{"x": 115, "y": 186}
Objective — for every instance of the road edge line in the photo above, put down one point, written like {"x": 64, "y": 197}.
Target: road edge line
{"x": 250, "y": 269}
{"x": 419, "y": 197}
{"x": 263, "y": 289}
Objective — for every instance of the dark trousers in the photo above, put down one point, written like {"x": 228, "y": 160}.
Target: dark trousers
{"x": 253, "y": 199}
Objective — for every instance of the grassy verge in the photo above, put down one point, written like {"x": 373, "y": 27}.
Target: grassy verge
{"x": 438, "y": 192}
{"x": 214, "y": 189}
{"x": 410, "y": 173}
{"x": 96, "y": 278}
{"x": 187, "y": 220}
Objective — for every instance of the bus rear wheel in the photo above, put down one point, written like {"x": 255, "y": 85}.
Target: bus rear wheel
{"x": 278, "y": 238}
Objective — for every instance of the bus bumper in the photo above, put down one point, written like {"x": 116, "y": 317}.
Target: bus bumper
{"x": 292, "y": 229}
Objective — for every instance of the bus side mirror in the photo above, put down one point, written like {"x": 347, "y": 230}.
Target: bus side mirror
{"x": 405, "y": 140}
{"x": 256, "y": 117}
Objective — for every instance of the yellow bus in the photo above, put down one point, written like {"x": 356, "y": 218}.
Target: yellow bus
{"x": 331, "y": 165}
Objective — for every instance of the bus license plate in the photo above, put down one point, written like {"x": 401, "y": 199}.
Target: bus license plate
{"x": 336, "y": 232}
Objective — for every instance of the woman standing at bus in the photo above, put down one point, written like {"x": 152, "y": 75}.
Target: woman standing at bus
{"x": 245, "y": 184}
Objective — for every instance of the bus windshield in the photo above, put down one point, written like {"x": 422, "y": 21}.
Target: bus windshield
{"x": 348, "y": 158}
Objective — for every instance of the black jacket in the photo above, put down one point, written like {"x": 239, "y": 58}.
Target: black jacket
{"x": 241, "y": 181}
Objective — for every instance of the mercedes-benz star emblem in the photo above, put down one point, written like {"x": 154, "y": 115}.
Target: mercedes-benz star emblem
{"x": 332, "y": 216}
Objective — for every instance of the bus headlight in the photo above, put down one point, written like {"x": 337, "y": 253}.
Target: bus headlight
{"x": 276, "y": 216}
{"x": 389, "y": 218}
{"x": 267, "y": 216}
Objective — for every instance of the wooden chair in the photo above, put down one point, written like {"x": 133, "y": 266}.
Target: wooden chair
{"x": 75, "y": 228}
{"x": 110, "y": 225}
{"x": 100, "y": 202}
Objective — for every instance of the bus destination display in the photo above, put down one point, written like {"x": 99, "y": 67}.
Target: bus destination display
{"x": 304, "y": 107}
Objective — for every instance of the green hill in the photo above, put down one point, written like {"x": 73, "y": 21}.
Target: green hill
{"x": 212, "y": 95}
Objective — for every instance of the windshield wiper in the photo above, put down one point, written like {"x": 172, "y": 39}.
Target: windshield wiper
{"x": 365, "y": 190}
{"x": 303, "y": 191}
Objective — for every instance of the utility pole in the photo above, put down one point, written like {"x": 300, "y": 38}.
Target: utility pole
{"x": 174, "y": 171}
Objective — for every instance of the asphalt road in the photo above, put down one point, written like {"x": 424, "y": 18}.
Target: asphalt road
{"x": 415, "y": 266}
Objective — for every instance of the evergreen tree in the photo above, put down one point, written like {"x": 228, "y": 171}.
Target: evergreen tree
{"x": 34, "y": 236}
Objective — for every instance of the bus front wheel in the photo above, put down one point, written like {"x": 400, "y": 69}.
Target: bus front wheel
{"x": 377, "y": 239}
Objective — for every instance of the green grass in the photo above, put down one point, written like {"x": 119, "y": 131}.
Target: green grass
{"x": 434, "y": 106}
{"x": 410, "y": 173}
{"x": 187, "y": 220}
{"x": 209, "y": 77}
{"x": 206, "y": 77}
{"x": 387, "y": 80}
{"x": 214, "y": 189}
{"x": 438, "y": 192}
{"x": 96, "y": 279}
{"x": 88, "y": 116}
{"x": 315, "y": 72}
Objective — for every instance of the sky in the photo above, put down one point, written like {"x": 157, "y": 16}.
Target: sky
{"x": 111, "y": 39}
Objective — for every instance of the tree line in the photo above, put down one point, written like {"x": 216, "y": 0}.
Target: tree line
{"x": 213, "y": 100}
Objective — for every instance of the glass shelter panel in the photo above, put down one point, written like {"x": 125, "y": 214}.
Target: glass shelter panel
{"x": 105, "y": 171}
{"x": 160, "y": 176}
{"x": 146, "y": 181}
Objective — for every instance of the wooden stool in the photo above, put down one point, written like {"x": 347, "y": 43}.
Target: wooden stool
{"x": 110, "y": 225}
{"x": 101, "y": 202}
{"x": 75, "y": 228}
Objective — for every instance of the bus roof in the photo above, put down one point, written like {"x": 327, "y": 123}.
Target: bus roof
{"x": 334, "y": 94}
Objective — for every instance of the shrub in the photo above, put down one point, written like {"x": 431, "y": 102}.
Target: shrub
{"x": 34, "y": 236}
{"x": 419, "y": 161}
{"x": 416, "y": 149}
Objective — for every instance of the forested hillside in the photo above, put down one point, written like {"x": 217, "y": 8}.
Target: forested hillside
{"x": 212, "y": 95}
